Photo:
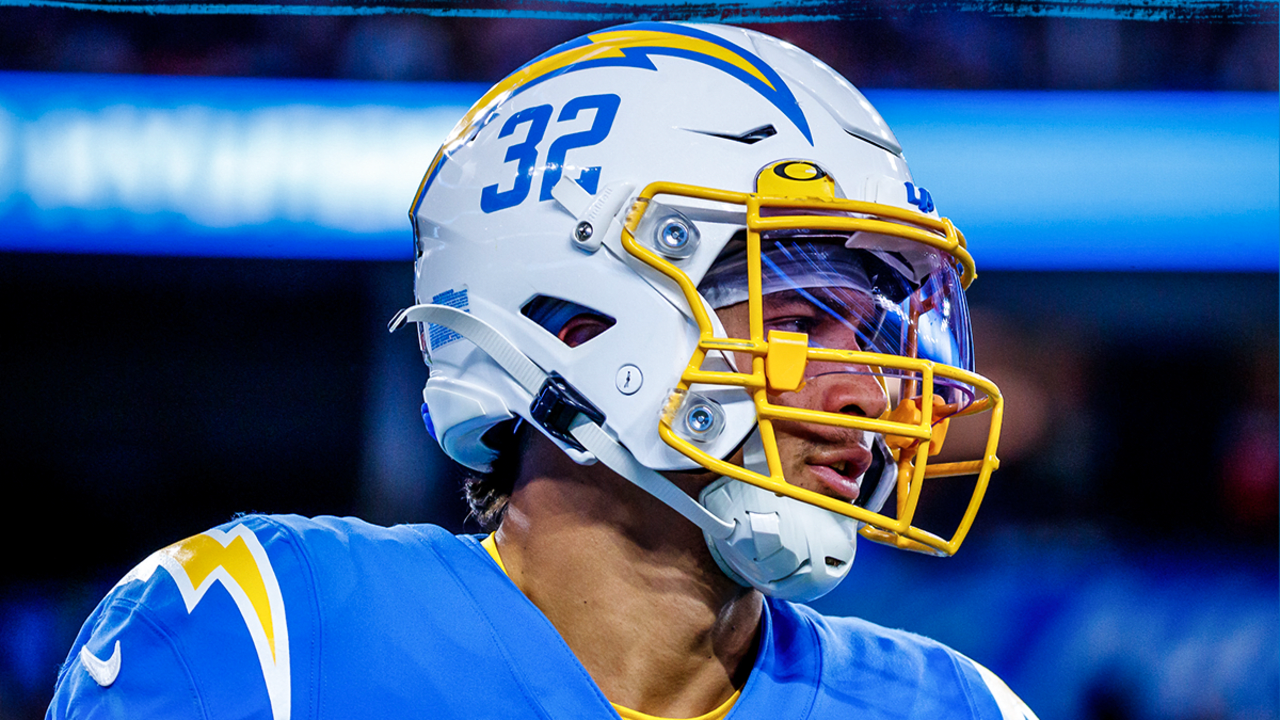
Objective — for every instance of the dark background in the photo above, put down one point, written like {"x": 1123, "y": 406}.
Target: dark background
{"x": 1124, "y": 564}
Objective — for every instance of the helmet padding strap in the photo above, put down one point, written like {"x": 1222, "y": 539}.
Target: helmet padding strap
{"x": 532, "y": 378}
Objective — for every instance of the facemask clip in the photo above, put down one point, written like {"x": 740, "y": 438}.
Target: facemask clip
{"x": 699, "y": 418}
{"x": 785, "y": 364}
{"x": 669, "y": 232}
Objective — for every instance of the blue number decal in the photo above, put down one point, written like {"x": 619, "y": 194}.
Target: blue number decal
{"x": 525, "y": 153}
{"x": 606, "y": 107}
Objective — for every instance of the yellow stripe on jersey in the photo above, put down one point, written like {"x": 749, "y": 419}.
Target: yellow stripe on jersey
{"x": 717, "y": 714}
{"x": 491, "y": 546}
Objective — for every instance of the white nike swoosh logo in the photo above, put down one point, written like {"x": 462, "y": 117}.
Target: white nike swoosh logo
{"x": 103, "y": 672}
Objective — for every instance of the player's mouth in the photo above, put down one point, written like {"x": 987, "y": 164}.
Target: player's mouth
{"x": 841, "y": 472}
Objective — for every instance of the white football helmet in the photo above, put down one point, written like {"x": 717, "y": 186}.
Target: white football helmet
{"x": 670, "y": 177}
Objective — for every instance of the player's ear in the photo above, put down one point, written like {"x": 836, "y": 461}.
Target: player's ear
{"x": 582, "y": 328}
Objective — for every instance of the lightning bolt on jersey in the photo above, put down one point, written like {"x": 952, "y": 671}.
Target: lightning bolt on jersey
{"x": 286, "y": 618}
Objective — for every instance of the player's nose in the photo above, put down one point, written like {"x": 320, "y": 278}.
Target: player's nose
{"x": 852, "y": 393}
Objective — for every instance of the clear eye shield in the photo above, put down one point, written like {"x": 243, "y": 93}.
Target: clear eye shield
{"x": 853, "y": 299}
{"x": 846, "y": 322}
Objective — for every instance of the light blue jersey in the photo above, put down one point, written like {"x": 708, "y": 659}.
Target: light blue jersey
{"x": 284, "y": 617}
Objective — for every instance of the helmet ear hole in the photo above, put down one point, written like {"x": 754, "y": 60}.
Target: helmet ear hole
{"x": 574, "y": 324}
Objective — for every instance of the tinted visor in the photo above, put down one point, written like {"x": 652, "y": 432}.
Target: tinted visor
{"x": 906, "y": 304}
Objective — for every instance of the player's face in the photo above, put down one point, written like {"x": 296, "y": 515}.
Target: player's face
{"x": 822, "y": 458}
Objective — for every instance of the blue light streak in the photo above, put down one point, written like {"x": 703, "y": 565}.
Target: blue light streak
{"x": 326, "y": 169}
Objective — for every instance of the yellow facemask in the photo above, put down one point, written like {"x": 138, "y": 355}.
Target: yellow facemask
{"x": 922, "y": 387}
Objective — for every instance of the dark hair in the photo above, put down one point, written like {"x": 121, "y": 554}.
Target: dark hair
{"x": 488, "y": 493}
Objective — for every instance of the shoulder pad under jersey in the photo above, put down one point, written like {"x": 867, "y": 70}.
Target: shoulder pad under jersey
{"x": 197, "y": 629}
{"x": 897, "y": 674}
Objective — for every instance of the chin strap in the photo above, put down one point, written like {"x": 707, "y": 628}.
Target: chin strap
{"x": 618, "y": 459}
{"x": 591, "y": 436}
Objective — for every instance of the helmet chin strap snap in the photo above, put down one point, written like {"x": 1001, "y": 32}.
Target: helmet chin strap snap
{"x": 782, "y": 547}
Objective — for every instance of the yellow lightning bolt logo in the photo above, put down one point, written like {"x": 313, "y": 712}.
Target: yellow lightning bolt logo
{"x": 237, "y": 560}
{"x": 626, "y": 46}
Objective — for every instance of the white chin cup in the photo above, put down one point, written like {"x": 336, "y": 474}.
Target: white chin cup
{"x": 782, "y": 547}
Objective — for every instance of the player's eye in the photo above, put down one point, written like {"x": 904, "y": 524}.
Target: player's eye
{"x": 794, "y": 323}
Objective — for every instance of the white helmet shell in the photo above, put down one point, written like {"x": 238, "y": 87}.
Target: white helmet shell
{"x": 568, "y": 139}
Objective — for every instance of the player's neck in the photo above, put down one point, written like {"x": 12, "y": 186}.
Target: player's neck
{"x": 630, "y": 586}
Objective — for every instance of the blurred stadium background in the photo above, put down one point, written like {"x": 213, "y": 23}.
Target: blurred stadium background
{"x": 202, "y": 236}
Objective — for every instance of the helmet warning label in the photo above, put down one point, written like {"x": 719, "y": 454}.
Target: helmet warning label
{"x": 439, "y": 335}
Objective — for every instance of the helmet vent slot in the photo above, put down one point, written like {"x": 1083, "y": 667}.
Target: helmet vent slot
{"x": 877, "y": 141}
{"x": 749, "y": 137}
{"x": 555, "y": 315}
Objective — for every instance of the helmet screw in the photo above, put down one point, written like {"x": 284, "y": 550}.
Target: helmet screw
{"x": 668, "y": 231}
{"x": 583, "y": 232}
{"x": 674, "y": 234}
{"x": 700, "y": 419}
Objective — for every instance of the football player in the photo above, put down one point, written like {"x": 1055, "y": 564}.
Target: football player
{"x": 694, "y": 328}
